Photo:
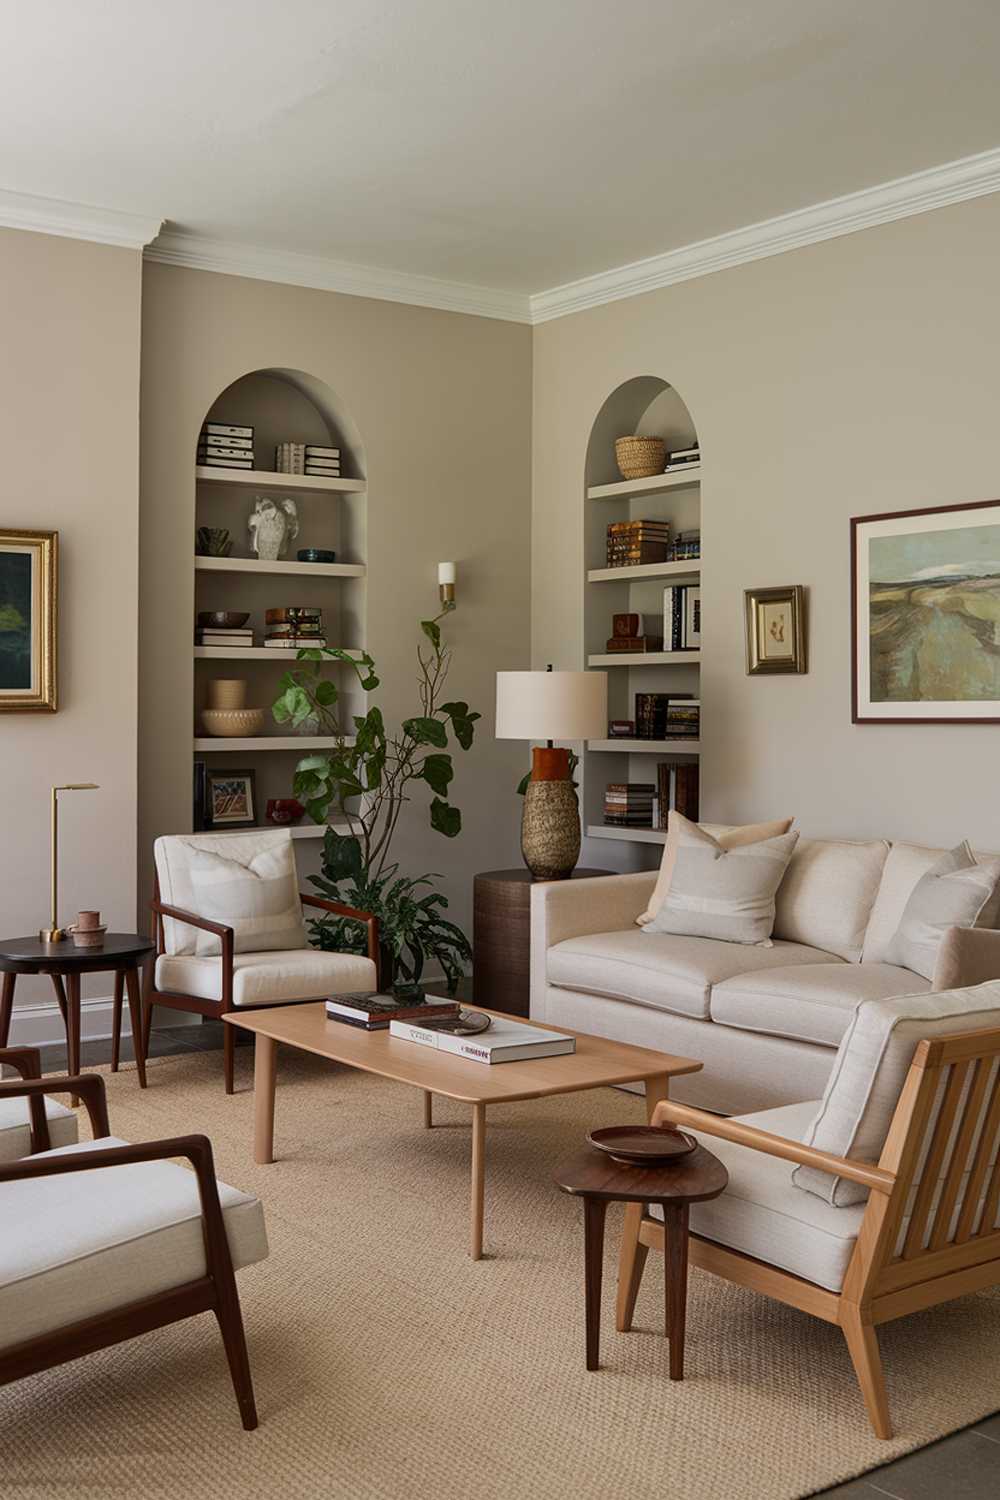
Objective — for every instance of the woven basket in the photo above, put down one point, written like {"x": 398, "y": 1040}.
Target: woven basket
{"x": 640, "y": 457}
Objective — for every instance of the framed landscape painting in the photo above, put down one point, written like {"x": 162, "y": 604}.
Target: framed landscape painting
{"x": 230, "y": 799}
{"x": 28, "y": 599}
{"x": 926, "y": 615}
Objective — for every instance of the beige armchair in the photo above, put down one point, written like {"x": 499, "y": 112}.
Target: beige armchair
{"x": 930, "y": 1228}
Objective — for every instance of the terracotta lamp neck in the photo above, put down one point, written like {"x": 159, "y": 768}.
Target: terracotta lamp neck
{"x": 548, "y": 764}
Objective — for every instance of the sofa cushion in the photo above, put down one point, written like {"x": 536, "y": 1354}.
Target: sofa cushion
{"x": 258, "y": 898}
{"x": 728, "y": 838}
{"x": 870, "y": 1069}
{"x": 174, "y": 857}
{"x": 762, "y": 1214}
{"x": 15, "y": 1127}
{"x": 665, "y": 971}
{"x": 903, "y": 868}
{"x": 827, "y": 894}
{"x": 111, "y": 1236}
{"x": 954, "y": 892}
{"x": 268, "y": 978}
{"x": 722, "y": 893}
{"x": 807, "y": 1002}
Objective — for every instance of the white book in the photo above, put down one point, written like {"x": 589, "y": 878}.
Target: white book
{"x": 506, "y": 1041}
{"x": 226, "y": 429}
{"x": 315, "y": 451}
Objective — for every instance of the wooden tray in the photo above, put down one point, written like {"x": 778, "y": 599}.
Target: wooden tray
{"x": 643, "y": 1145}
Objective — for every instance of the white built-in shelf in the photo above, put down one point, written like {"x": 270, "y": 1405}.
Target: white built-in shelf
{"x": 261, "y": 653}
{"x": 266, "y": 479}
{"x": 297, "y": 830}
{"x": 259, "y": 565}
{"x": 647, "y": 747}
{"x": 645, "y": 659}
{"x": 680, "y": 479}
{"x": 627, "y": 835}
{"x": 636, "y": 573}
{"x": 301, "y": 742}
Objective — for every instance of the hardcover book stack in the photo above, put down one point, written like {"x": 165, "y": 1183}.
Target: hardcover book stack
{"x": 222, "y": 446}
{"x": 290, "y": 458}
{"x": 685, "y": 547}
{"x": 683, "y": 719}
{"x": 682, "y": 618}
{"x": 293, "y": 628}
{"x": 629, "y": 804}
{"x": 207, "y": 635}
{"x": 324, "y": 462}
{"x": 667, "y": 716}
{"x": 373, "y": 1012}
{"x": 680, "y": 458}
{"x": 633, "y": 633}
{"x": 634, "y": 542}
{"x": 677, "y": 791}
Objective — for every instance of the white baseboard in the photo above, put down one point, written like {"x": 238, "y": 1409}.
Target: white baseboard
{"x": 40, "y": 1025}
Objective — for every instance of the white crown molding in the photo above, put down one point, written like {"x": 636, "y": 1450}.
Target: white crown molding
{"x": 972, "y": 177}
{"x": 76, "y": 221}
{"x": 200, "y": 253}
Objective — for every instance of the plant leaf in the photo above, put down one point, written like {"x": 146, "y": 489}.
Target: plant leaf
{"x": 426, "y": 731}
{"x": 445, "y": 818}
{"x": 432, "y": 631}
{"x": 437, "y": 771}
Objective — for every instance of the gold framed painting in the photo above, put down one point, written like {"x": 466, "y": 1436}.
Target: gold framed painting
{"x": 29, "y": 584}
{"x": 775, "y": 630}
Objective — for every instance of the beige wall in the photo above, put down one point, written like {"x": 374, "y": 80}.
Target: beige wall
{"x": 442, "y": 403}
{"x": 850, "y": 377}
{"x": 69, "y": 406}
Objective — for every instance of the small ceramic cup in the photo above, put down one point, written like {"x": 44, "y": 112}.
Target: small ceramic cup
{"x": 88, "y": 920}
{"x": 227, "y": 692}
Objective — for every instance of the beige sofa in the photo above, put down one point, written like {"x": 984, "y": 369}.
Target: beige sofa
{"x": 765, "y": 1021}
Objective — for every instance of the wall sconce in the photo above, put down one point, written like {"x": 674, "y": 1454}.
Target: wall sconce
{"x": 446, "y": 584}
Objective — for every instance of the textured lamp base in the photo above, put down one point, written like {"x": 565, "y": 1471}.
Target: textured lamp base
{"x": 550, "y": 823}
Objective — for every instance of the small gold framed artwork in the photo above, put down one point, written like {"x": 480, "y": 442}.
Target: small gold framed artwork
{"x": 776, "y": 630}
{"x": 29, "y": 585}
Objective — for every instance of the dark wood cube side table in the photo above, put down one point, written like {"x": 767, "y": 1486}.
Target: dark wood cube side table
{"x": 501, "y": 937}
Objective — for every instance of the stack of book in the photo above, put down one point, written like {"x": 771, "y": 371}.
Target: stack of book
{"x": 679, "y": 458}
{"x": 634, "y": 542}
{"x": 211, "y": 636}
{"x": 651, "y": 715}
{"x": 294, "y": 627}
{"x": 685, "y": 547}
{"x": 629, "y": 804}
{"x": 682, "y": 618}
{"x": 290, "y": 458}
{"x": 373, "y": 1012}
{"x": 677, "y": 790}
{"x": 633, "y": 633}
{"x": 506, "y": 1041}
{"x": 324, "y": 462}
{"x": 222, "y": 446}
{"x": 683, "y": 719}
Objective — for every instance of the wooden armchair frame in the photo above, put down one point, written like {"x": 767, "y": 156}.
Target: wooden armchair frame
{"x": 885, "y": 1279}
{"x": 218, "y": 1008}
{"x": 214, "y": 1292}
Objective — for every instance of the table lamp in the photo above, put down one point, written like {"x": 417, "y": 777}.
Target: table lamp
{"x": 54, "y": 933}
{"x": 551, "y": 706}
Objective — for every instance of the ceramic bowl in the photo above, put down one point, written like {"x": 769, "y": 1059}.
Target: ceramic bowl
{"x": 87, "y": 937}
{"x": 316, "y": 555}
{"x": 233, "y": 723}
{"x": 223, "y": 619}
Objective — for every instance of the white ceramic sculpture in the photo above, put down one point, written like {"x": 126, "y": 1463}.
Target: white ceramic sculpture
{"x": 272, "y": 525}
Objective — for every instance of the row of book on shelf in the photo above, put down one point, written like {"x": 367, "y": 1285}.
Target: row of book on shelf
{"x": 225, "y": 445}
{"x": 506, "y": 1040}
{"x": 660, "y": 716}
{"x": 646, "y": 804}
{"x": 637, "y": 543}
{"x": 285, "y": 629}
{"x": 680, "y": 629}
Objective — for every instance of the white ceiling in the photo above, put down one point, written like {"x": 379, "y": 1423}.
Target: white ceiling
{"x": 511, "y": 144}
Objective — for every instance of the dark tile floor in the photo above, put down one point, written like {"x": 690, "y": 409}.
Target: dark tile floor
{"x": 965, "y": 1466}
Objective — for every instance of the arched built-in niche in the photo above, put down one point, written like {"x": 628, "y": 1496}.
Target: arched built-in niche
{"x": 646, "y": 405}
{"x": 281, "y": 406}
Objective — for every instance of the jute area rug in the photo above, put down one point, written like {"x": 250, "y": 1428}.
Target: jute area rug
{"x": 388, "y": 1366}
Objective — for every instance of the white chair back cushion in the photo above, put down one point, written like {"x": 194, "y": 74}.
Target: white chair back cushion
{"x": 869, "y": 1072}
{"x": 908, "y": 863}
{"x": 826, "y": 897}
{"x": 247, "y": 881}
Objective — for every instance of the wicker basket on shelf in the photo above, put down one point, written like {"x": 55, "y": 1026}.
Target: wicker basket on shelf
{"x": 640, "y": 457}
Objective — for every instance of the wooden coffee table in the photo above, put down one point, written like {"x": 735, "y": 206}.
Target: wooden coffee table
{"x": 596, "y": 1063}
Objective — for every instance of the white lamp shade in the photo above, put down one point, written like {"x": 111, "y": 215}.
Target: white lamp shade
{"x": 552, "y": 705}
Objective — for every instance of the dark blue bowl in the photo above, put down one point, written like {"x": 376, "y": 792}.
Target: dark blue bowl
{"x": 316, "y": 554}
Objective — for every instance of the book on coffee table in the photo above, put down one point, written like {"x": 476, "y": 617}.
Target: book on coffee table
{"x": 375, "y": 1011}
{"x": 506, "y": 1041}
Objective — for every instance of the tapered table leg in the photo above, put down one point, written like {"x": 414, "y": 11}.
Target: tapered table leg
{"x": 675, "y": 1268}
{"x": 135, "y": 1011}
{"x": 478, "y": 1180}
{"x": 594, "y": 1211}
{"x": 116, "y": 1020}
{"x": 428, "y": 1109}
{"x": 6, "y": 1007}
{"x": 73, "y": 1027}
{"x": 657, "y": 1089}
{"x": 264, "y": 1081}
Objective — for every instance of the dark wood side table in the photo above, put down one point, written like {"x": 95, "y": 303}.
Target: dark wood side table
{"x": 599, "y": 1180}
{"x": 501, "y": 937}
{"x": 121, "y": 953}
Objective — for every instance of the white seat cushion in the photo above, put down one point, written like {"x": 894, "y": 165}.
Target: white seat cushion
{"x": 15, "y": 1129}
{"x": 762, "y": 1213}
{"x": 268, "y": 978}
{"x": 807, "y": 1002}
{"x": 828, "y": 892}
{"x": 86, "y": 1243}
{"x": 664, "y": 970}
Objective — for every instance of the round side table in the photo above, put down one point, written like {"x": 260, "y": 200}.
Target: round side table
{"x": 599, "y": 1180}
{"x": 501, "y": 937}
{"x": 121, "y": 952}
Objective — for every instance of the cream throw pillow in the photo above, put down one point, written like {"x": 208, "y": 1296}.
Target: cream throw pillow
{"x": 259, "y": 900}
{"x": 727, "y": 894}
{"x": 731, "y": 838}
{"x": 955, "y": 892}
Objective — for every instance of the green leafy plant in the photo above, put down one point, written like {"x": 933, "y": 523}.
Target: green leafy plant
{"x": 363, "y": 784}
